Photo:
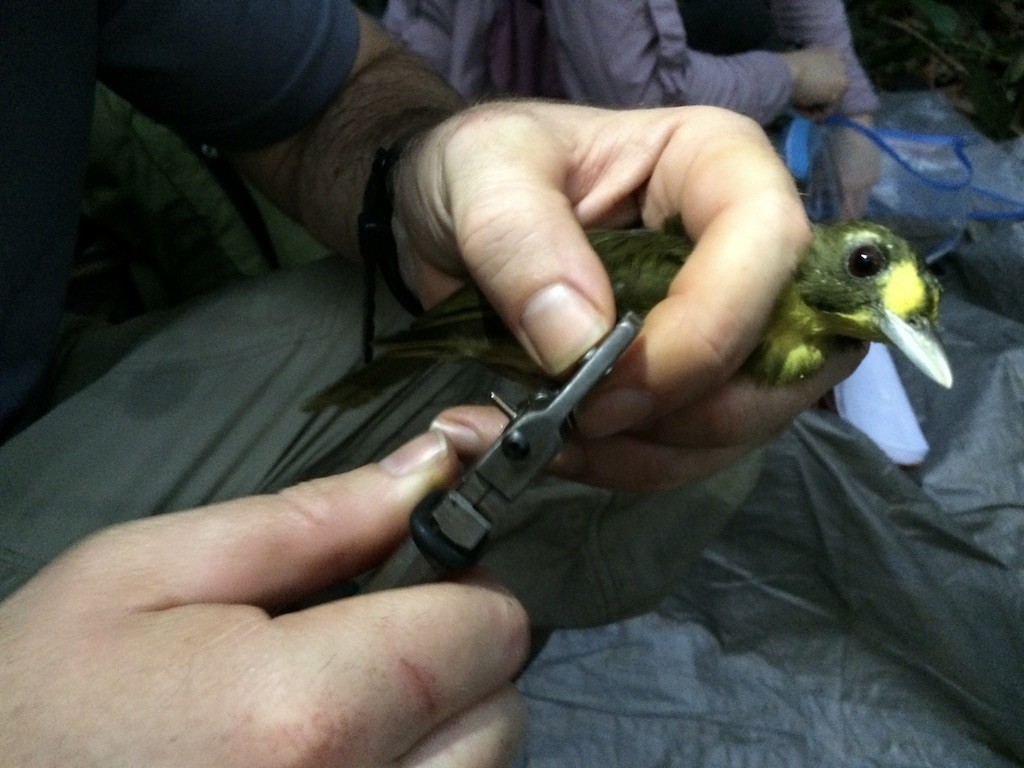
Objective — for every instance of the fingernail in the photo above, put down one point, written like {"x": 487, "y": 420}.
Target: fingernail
{"x": 463, "y": 437}
{"x": 417, "y": 454}
{"x": 561, "y": 325}
{"x": 614, "y": 411}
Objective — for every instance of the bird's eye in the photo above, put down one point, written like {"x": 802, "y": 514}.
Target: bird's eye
{"x": 865, "y": 260}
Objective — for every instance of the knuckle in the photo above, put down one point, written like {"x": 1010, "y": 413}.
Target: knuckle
{"x": 308, "y": 505}
{"x": 485, "y": 226}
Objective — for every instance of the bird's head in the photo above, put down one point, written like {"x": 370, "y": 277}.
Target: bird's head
{"x": 869, "y": 284}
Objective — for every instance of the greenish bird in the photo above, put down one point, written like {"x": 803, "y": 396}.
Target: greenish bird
{"x": 856, "y": 280}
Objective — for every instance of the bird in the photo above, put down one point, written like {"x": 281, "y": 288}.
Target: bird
{"x": 857, "y": 280}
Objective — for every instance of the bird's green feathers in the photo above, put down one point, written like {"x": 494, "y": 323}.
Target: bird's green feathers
{"x": 850, "y": 283}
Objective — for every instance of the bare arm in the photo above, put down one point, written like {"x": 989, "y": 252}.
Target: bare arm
{"x": 317, "y": 175}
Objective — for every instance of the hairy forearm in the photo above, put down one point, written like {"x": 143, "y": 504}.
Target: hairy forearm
{"x": 318, "y": 175}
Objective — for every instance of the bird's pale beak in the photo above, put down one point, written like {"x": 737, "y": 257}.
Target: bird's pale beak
{"x": 921, "y": 346}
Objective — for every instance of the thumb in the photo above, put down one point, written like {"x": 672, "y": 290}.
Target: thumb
{"x": 263, "y": 550}
{"x": 502, "y": 175}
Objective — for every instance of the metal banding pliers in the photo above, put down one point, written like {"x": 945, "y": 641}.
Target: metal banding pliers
{"x": 448, "y": 530}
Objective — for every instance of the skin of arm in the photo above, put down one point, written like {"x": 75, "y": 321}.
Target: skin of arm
{"x": 318, "y": 175}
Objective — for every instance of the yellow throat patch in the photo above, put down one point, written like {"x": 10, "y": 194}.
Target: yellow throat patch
{"x": 904, "y": 292}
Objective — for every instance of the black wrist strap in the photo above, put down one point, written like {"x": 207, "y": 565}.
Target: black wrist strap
{"x": 377, "y": 245}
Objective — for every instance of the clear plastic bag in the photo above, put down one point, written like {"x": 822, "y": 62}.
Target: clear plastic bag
{"x": 926, "y": 189}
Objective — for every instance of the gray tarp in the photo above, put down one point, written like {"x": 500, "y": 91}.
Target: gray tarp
{"x": 854, "y": 613}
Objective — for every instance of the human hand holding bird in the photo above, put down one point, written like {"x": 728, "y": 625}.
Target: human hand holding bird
{"x": 502, "y": 196}
{"x": 856, "y": 281}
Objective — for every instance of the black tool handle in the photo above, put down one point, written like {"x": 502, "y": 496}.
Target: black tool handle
{"x": 429, "y": 553}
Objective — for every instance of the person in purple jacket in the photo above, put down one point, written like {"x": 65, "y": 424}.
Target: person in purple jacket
{"x": 751, "y": 56}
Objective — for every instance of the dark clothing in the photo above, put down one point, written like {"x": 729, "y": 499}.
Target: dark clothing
{"x": 728, "y": 28}
{"x": 239, "y": 74}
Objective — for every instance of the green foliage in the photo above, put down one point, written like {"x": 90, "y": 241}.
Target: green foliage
{"x": 972, "y": 51}
{"x": 942, "y": 17}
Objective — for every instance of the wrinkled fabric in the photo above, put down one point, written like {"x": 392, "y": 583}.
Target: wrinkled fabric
{"x": 203, "y": 403}
{"x": 620, "y": 54}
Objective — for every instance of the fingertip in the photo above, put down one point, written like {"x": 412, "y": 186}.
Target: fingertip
{"x": 481, "y": 578}
{"x": 424, "y": 452}
{"x": 491, "y": 620}
{"x": 473, "y": 429}
{"x": 470, "y": 429}
{"x": 509, "y": 620}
